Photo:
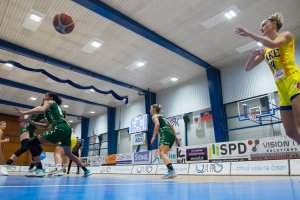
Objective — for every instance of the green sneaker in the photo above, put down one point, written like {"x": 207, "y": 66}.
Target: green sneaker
{"x": 30, "y": 172}
{"x": 39, "y": 173}
{"x": 87, "y": 173}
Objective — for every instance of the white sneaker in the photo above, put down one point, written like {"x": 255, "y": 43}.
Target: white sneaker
{"x": 51, "y": 173}
{"x": 3, "y": 171}
{"x": 59, "y": 172}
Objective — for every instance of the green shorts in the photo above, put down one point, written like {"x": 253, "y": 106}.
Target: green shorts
{"x": 59, "y": 133}
{"x": 167, "y": 137}
{"x": 27, "y": 129}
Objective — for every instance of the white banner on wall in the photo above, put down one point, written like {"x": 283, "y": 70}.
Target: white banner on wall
{"x": 267, "y": 167}
{"x": 179, "y": 169}
{"x": 274, "y": 148}
{"x": 177, "y": 124}
{"x": 172, "y": 154}
{"x": 229, "y": 151}
{"x": 143, "y": 157}
{"x": 295, "y": 167}
{"x": 217, "y": 168}
{"x": 144, "y": 169}
{"x": 139, "y": 138}
{"x": 124, "y": 158}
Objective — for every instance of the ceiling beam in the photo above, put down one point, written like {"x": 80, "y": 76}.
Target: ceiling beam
{"x": 42, "y": 91}
{"x": 15, "y": 104}
{"x": 7, "y": 46}
{"x": 114, "y": 15}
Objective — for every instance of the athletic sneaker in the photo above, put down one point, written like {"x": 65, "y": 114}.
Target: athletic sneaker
{"x": 39, "y": 173}
{"x": 87, "y": 173}
{"x": 51, "y": 173}
{"x": 170, "y": 174}
{"x": 30, "y": 172}
{"x": 3, "y": 171}
{"x": 59, "y": 172}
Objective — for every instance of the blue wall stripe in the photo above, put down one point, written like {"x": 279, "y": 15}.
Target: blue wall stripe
{"x": 121, "y": 19}
{"x": 58, "y": 63}
{"x": 42, "y": 91}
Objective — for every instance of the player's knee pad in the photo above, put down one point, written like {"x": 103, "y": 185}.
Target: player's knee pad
{"x": 24, "y": 148}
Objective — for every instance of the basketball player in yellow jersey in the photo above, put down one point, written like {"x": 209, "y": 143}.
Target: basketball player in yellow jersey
{"x": 279, "y": 53}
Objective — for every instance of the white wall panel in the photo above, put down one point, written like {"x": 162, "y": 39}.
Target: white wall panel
{"x": 77, "y": 130}
{"x": 125, "y": 113}
{"x": 98, "y": 125}
{"x": 187, "y": 97}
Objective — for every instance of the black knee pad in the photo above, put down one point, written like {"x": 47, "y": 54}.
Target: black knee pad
{"x": 35, "y": 150}
{"x": 24, "y": 148}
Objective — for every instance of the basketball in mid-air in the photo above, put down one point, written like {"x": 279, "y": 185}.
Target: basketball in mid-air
{"x": 63, "y": 23}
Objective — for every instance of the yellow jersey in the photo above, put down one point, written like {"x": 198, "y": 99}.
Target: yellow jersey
{"x": 282, "y": 60}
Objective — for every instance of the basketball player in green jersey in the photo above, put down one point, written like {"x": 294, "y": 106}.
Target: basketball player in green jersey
{"x": 26, "y": 132}
{"x": 60, "y": 132}
{"x": 167, "y": 137}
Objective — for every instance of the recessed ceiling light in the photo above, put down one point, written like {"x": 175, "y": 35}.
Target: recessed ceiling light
{"x": 213, "y": 21}
{"x": 246, "y": 47}
{"x": 8, "y": 65}
{"x": 174, "y": 79}
{"x": 33, "y": 20}
{"x": 35, "y": 17}
{"x": 92, "y": 45}
{"x": 96, "y": 44}
{"x": 140, "y": 64}
{"x": 32, "y": 98}
{"x": 230, "y": 14}
{"x": 136, "y": 65}
{"x": 65, "y": 106}
{"x": 92, "y": 112}
{"x": 70, "y": 121}
{"x": 92, "y": 90}
{"x": 259, "y": 44}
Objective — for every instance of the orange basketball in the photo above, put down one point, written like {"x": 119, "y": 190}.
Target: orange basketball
{"x": 63, "y": 23}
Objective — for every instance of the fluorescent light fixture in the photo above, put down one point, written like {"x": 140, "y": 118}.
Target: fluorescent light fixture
{"x": 174, "y": 79}
{"x": 136, "y": 65}
{"x": 92, "y": 45}
{"x": 65, "y": 106}
{"x": 35, "y": 17}
{"x": 9, "y": 65}
{"x": 32, "y": 98}
{"x": 228, "y": 16}
{"x": 229, "y": 12}
{"x": 232, "y": 13}
{"x": 92, "y": 90}
{"x": 140, "y": 64}
{"x": 92, "y": 112}
{"x": 96, "y": 44}
{"x": 259, "y": 44}
{"x": 246, "y": 47}
{"x": 70, "y": 121}
{"x": 33, "y": 20}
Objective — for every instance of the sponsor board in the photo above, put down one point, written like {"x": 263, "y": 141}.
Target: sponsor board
{"x": 217, "y": 168}
{"x": 94, "y": 160}
{"x": 196, "y": 154}
{"x": 267, "y": 167}
{"x": 172, "y": 154}
{"x": 124, "y": 158}
{"x": 143, "y": 157}
{"x": 228, "y": 151}
{"x": 274, "y": 148}
{"x": 111, "y": 159}
{"x": 139, "y": 138}
{"x": 179, "y": 169}
{"x": 181, "y": 155}
{"x": 115, "y": 169}
{"x": 295, "y": 167}
{"x": 144, "y": 169}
